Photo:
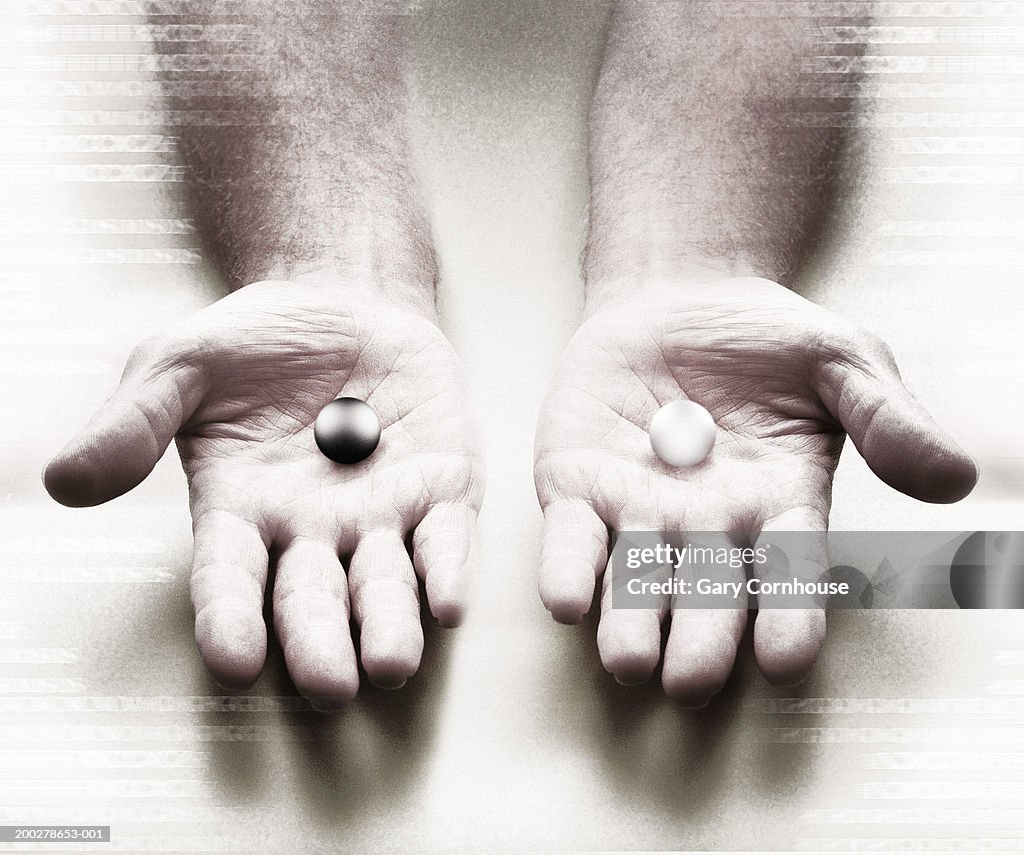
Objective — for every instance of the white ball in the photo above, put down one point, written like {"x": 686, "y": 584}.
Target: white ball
{"x": 682, "y": 433}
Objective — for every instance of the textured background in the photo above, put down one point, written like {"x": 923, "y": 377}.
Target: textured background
{"x": 909, "y": 735}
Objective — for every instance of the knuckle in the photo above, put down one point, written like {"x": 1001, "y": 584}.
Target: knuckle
{"x": 149, "y": 351}
{"x": 171, "y": 348}
{"x": 873, "y": 347}
{"x": 843, "y": 344}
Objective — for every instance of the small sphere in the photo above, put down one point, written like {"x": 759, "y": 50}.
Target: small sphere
{"x": 682, "y": 433}
{"x": 987, "y": 571}
{"x": 347, "y": 430}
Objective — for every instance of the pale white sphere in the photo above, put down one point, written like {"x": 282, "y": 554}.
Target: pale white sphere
{"x": 682, "y": 433}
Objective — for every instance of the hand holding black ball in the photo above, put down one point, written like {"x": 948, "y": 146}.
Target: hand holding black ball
{"x": 241, "y": 418}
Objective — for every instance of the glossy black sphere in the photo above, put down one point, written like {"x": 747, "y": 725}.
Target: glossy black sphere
{"x": 347, "y": 430}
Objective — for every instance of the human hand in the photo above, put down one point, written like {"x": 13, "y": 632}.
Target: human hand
{"x": 785, "y": 381}
{"x": 239, "y": 385}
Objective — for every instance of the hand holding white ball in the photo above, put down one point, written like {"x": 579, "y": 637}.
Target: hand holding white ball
{"x": 682, "y": 433}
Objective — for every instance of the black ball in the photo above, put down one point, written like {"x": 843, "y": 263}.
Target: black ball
{"x": 347, "y": 430}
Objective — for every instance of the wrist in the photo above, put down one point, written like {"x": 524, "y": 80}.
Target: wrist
{"x": 341, "y": 282}
{"x": 385, "y": 264}
{"x": 602, "y": 292}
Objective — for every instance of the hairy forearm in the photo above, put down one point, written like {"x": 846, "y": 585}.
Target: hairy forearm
{"x": 707, "y": 145}
{"x": 294, "y": 132}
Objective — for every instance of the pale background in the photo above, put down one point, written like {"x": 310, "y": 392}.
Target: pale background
{"x": 512, "y": 736}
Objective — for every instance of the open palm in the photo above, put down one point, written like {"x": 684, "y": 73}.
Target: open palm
{"x": 239, "y": 386}
{"x": 785, "y": 381}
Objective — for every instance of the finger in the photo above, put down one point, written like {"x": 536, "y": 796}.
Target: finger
{"x": 629, "y": 639}
{"x": 311, "y": 619}
{"x": 788, "y": 640}
{"x": 700, "y": 653}
{"x": 385, "y": 603}
{"x": 441, "y": 546}
{"x": 574, "y": 553}
{"x": 229, "y": 574}
{"x": 123, "y": 441}
{"x": 702, "y": 642}
{"x": 896, "y": 436}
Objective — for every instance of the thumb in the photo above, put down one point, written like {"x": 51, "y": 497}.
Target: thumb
{"x": 123, "y": 441}
{"x": 895, "y": 434}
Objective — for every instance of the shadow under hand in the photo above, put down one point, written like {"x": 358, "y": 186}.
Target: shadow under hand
{"x": 651, "y": 746}
{"x": 685, "y": 762}
{"x": 374, "y": 749}
{"x": 333, "y": 765}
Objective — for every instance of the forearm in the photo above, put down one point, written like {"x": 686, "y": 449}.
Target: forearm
{"x": 707, "y": 149}
{"x": 296, "y": 141}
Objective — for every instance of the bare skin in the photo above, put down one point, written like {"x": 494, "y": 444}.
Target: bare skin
{"x": 307, "y": 200}
{"x": 785, "y": 381}
{"x": 712, "y": 172}
{"x": 239, "y": 386}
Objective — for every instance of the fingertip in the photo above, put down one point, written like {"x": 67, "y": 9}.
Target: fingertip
{"x": 389, "y": 675}
{"x": 60, "y": 484}
{"x": 567, "y": 597}
{"x": 565, "y": 611}
{"x": 446, "y": 596}
{"x": 697, "y": 671}
{"x": 232, "y": 641}
{"x": 897, "y": 436}
{"x": 91, "y": 471}
{"x": 326, "y": 676}
{"x": 574, "y": 553}
{"x": 691, "y": 695}
{"x": 73, "y": 483}
{"x": 631, "y": 670}
{"x": 443, "y": 554}
{"x": 390, "y": 651}
{"x": 449, "y": 614}
{"x": 328, "y": 705}
{"x": 329, "y": 693}
{"x": 926, "y": 465}
{"x": 959, "y": 478}
{"x": 787, "y": 643}
{"x": 630, "y": 649}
